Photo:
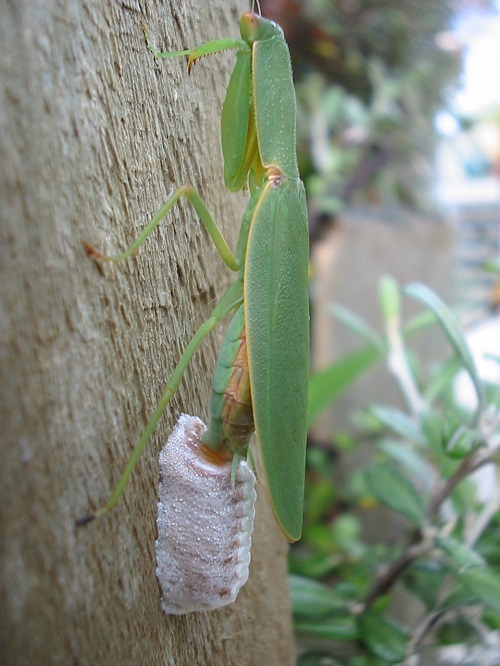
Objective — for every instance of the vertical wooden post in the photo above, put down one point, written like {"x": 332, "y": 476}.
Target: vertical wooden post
{"x": 96, "y": 133}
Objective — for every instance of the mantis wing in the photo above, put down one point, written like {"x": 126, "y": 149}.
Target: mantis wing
{"x": 277, "y": 320}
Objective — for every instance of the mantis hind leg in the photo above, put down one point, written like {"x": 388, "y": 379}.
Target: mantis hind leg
{"x": 230, "y": 301}
{"x": 205, "y": 216}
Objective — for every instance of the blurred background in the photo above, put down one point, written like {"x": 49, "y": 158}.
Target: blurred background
{"x": 399, "y": 150}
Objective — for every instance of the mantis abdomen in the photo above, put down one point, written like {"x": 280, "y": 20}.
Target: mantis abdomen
{"x": 231, "y": 424}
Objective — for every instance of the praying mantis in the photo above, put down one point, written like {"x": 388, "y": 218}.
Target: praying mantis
{"x": 261, "y": 378}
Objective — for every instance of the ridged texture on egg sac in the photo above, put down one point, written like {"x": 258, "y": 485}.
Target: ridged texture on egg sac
{"x": 204, "y": 525}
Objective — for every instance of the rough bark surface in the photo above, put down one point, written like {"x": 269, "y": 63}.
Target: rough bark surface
{"x": 95, "y": 134}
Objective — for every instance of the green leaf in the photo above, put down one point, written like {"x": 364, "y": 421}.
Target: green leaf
{"x": 337, "y": 628}
{"x": 419, "y": 323}
{"x": 320, "y": 498}
{"x": 399, "y": 422}
{"x": 312, "y": 599}
{"x": 432, "y": 425}
{"x": 358, "y": 325}
{"x": 393, "y": 489}
{"x": 383, "y": 636}
{"x": 407, "y": 457}
{"x": 458, "y": 597}
{"x": 463, "y": 556}
{"x": 316, "y": 565}
{"x": 489, "y": 544}
{"x": 346, "y": 531}
{"x": 423, "y": 578}
{"x": 461, "y": 442}
{"x": 492, "y": 266}
{"x": 318, "y": 658}
{"x": 491, "y": 619}
{"x": 484, "y": 583}
{"x": 366, "y": 660}
{"x": 442, "y": 380}
{"x": 451, "y": 328}
{"x": 389, "y": 297}
{"x": 326, "y": 385}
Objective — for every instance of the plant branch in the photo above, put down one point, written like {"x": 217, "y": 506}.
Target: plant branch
{"x": 418, "y": 543}
{"x": 415, "y": 548}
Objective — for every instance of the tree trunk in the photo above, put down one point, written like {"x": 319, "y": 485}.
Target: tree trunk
{"x": 95, "y": 134}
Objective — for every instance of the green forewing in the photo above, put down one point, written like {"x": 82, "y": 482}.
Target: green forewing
{"x": 274, "y": 104}
{"x": 277, "y": 321}
{"x": 234, "y": 119}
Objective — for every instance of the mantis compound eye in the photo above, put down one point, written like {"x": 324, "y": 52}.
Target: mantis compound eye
{"x": 204, "y": 524}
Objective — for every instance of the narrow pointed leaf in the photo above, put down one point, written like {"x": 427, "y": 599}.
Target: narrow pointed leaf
{"x": 338, "y": 628}
{"x": 326, "y": 385}
{"x": 393, "y": 489}
{"x": 399, "y": 422}
{"x": 484, "y": 583}
{"x": 383, "y": 637}
{"x": 312, "y": 599}
{"x": 358, "y": 325}
{"x": 450, "y": 327}
{"x": 463, "y": 556}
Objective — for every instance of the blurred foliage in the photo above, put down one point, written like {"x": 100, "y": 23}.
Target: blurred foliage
{"x": 370, "y": 76}
{"x": 401, "y": 556}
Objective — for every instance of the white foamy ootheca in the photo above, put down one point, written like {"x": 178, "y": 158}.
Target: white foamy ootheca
{"x": 204, "y": 524}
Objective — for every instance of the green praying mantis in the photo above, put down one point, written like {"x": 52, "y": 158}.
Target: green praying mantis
{"x": 261, "y": 376}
